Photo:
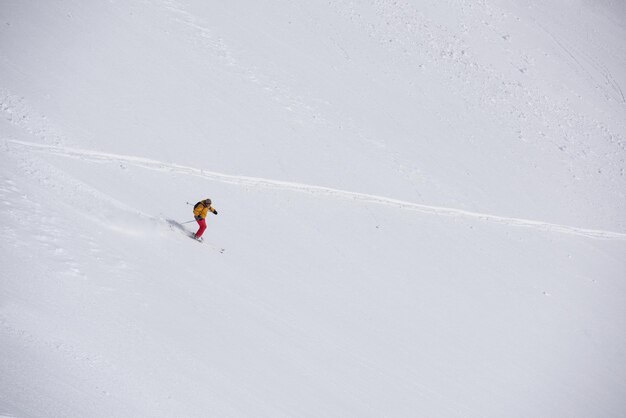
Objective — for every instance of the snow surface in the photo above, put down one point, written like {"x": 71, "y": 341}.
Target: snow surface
{"x": 423, "y": 206}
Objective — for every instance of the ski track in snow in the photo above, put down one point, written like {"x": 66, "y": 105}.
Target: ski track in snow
{"x": 96, "y": 156}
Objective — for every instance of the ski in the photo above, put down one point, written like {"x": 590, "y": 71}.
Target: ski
{"x": 177, "y": 226}
{"x": 202, "y": 241}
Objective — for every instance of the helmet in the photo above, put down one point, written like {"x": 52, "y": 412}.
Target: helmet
{"x": 207, "y": 202}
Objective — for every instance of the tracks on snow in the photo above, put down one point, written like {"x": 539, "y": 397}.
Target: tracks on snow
{"x": 256, "y": 182}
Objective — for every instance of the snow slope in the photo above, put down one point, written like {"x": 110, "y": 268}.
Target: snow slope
{"x": 422, "y": 206}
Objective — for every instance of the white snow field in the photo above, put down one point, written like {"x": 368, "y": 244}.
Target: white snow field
{"x": 422, "y": 206}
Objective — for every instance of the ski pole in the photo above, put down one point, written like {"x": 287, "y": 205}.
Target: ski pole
{"x": 188, "y": 222}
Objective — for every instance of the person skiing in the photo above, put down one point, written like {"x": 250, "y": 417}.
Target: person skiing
{"x": 200, "y": 211}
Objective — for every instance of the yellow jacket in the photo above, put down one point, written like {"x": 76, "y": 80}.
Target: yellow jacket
{"x": 200, "y": 210}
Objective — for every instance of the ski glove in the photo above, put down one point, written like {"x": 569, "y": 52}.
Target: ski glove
{"x": 215, "y": 212}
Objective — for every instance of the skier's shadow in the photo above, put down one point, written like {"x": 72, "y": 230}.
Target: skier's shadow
{"x": 176, "y": 225}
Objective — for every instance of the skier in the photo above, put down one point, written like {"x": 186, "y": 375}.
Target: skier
{"x": 200, "y": 211}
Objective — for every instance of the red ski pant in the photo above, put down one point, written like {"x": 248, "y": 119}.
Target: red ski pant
{"x": 202, "y": 224}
